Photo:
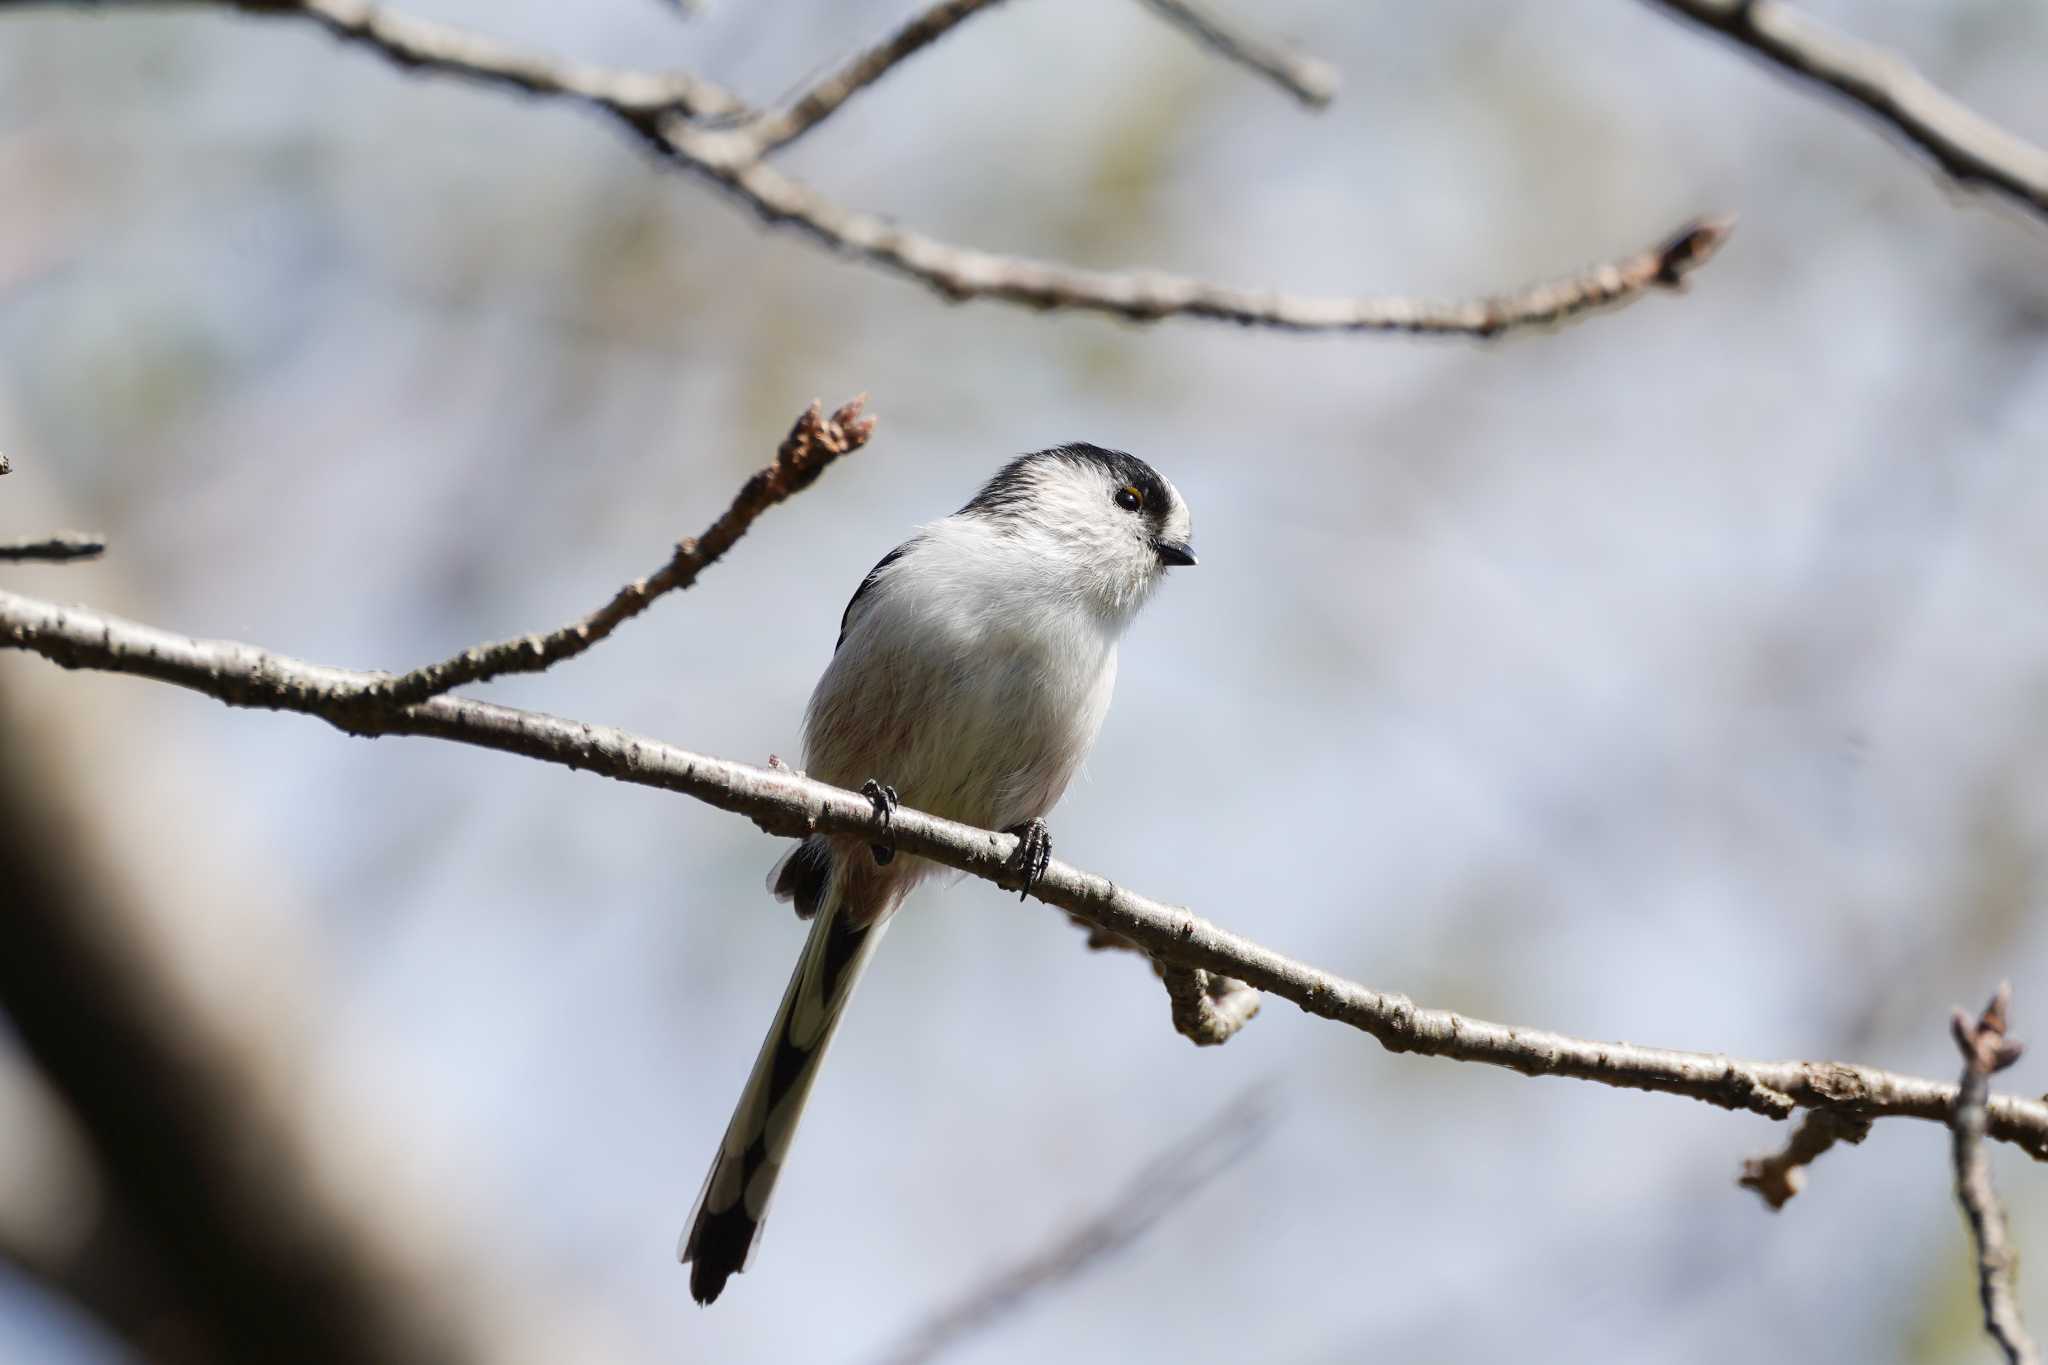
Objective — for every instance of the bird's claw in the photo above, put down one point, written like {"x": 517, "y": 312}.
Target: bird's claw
{"x": 885, "y": 801}
{"x": 1034, "y": 852}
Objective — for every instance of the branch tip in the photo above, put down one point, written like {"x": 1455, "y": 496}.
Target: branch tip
{"x": 1961, "y": 142}
{"x": 813, "y": 443}
{"x": 1986, "y": 1049}
{"x": 1692, "y": 247}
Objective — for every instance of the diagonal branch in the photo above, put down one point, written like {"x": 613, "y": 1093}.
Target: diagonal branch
{"x": 1308, "y": 79}
{"x": 1165, "y": 1185}
{"x": 56, "y": 547}
{"x": 1962, "y": 142}
{"x": 784, "y": 803}
{"x": 772, "y": 132}
{"x": 1986, "y": 1049}
{"x": 812, "y": 444}
{"x": 665, "y": 110}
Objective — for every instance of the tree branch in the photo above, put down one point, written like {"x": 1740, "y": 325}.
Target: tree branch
{"x": 1162, "y": 1187}
{"x": 665, "y": 111}
{"x": 963, "y": 273}
{"x": 812, "y": 444}
{"x": 1986, "y": 1049}
{"x": 56, "y": 547}
{"x": 785, "y": 803}
{"x": 772, "y": 132}
{"x": 1781, "y": 1175}
{"x": 425, "y": 45}
{"x": 1309, "y": 80}
{"x": 1963, "y": 143}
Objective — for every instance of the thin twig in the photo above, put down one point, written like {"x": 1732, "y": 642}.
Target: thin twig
{"x": 1308, "y": 79}
{"x": 1961, "y": 141}
{"x": 1985, "y": 1050}
{"x": 772, "y": 132}
{"x": 1164, "y": 1186}
{"x": 56, "y": 547}
{"x": 665, "y": 111}
{"x": 425, "y": 45}
{"x": 812, "y": 444}
{"x": 1781, "y": 1175}
{"x": 784, "y": 803}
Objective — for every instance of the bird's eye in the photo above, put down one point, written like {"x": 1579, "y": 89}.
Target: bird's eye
{"x": 1129, "y": 497}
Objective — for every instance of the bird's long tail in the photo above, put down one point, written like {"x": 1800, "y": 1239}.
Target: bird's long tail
{"x": 727, "y": 1220}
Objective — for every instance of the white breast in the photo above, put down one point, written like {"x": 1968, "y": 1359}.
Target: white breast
{"x": 970, "y": 679}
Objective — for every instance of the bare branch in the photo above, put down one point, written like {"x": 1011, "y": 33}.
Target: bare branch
{"x": 1162, "y": 1187}
{"x": 1782, "y": 1174}
{"x": 775, "y": 131}
{"x": 663, "y": 110}
{"x": 962, "y": 273}
{"x": 812, "y": 444}
{"x": 424, "y": 45}
{"x": 1309, "y": 80}
{"x": 1986, "y": 1049}
{"x": 1963, "y": 143}
{"x": 56, "y": 547}
{"x": 785, "y": 803}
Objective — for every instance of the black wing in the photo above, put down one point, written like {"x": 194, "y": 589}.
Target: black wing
{"x": 867, "y": 585}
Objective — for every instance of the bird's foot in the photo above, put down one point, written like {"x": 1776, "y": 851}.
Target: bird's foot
{"x": 885, "y": 801}
{"x": 1034, "y": 852}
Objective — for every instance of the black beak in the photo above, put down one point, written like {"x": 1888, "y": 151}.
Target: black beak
{"x": 1176, "y": 552}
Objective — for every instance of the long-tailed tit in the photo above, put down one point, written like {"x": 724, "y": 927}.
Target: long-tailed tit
{"x": 973, "y": 669}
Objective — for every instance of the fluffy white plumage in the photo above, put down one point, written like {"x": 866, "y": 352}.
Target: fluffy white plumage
{"x": 973, "y": 671}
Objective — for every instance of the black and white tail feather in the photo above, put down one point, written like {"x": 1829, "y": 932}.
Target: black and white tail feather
{"x": 726, "y": 1224}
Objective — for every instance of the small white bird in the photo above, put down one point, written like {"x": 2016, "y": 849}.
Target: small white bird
{"x": 973, "y": 670}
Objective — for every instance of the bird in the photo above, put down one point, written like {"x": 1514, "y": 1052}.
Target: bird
{"x": 972, "y": 673}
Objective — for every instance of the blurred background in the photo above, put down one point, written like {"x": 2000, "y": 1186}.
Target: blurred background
{"x": 1678, "y": 677}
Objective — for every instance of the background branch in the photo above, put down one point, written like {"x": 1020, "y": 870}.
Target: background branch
{"x": 663, "y": 109}
{"x": 1164, "y": 1186}
{"x": 1309, "y": 80}
{"x": 1986, "y": 1049}
{"x": 772, "y": 132}
{"x": 58, "y": 546}
{"x": 1961, "y": 141}
{"x": 784, "y": 803}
